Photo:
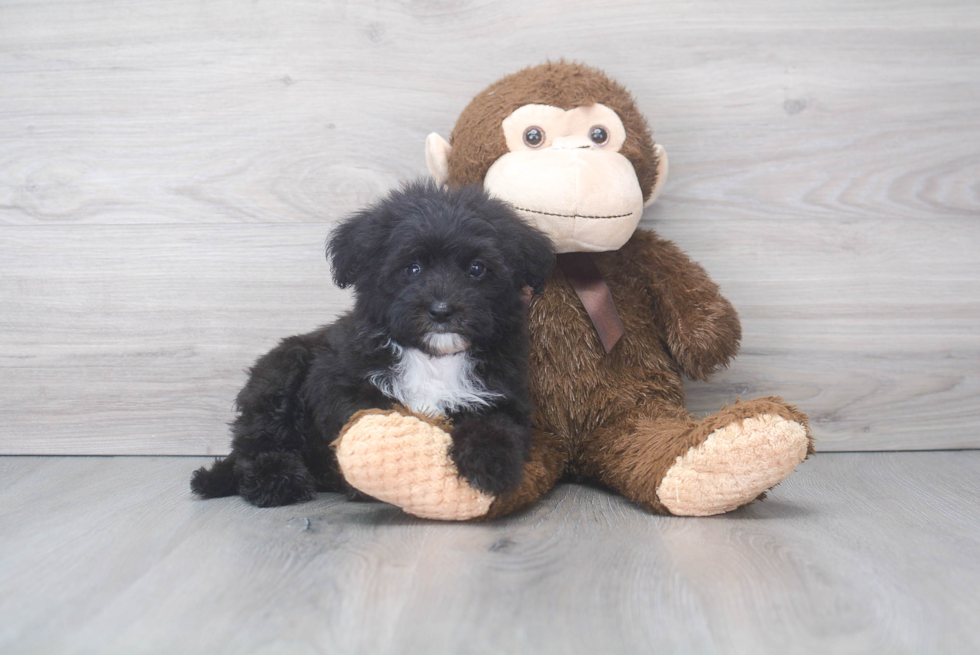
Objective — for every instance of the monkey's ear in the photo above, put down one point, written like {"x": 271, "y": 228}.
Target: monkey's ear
{"x": 661, "y": 154}
{"x": 437, "y": 152}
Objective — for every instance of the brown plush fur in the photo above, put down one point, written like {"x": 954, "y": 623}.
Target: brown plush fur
{"x": 478, "y": 139}
{"x": 618, "y": 418}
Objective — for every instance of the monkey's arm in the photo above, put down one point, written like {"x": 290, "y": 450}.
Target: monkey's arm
{"x": 701, "y": 327}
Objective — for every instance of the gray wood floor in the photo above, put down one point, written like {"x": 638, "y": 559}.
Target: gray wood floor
{"x": 856, "y": 553}
{"x": 168, "y": 173}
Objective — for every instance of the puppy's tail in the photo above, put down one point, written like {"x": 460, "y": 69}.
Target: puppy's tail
{"x": 217, "y": 482}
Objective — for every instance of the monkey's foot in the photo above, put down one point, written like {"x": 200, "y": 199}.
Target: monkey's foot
{"x": 404, "y": 460}
{"x": 736, "y": 463}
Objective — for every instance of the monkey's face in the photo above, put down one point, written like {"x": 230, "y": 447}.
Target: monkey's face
{"x": 565, "y": 145}
{"x": 563, "y": 172}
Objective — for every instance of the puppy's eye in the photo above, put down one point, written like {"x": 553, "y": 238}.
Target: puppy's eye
{"x": 477, "y": 269}
{"x": 599, "y": 135}
{"x": 533, "y": 136}
{"x": 413, "y": 270}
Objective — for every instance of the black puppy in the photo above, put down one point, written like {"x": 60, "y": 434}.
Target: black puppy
{"x": 438, "y": 325}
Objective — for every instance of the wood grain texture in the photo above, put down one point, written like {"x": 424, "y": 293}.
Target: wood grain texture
{"x": 855, "y": 553}
{"x": 168, "y": 175}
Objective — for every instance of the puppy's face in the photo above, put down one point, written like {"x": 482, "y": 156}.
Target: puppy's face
{"x": 440, "y": 270}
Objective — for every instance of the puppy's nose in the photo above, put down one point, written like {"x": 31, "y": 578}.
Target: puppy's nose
{"x": 440, "y": 311}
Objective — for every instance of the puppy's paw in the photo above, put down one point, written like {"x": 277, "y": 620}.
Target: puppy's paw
{"x": 488, "y": 452}
{"x": 404, "y": 460}
{"x": 216, "y": 482}
{"x": 273, "y": 479}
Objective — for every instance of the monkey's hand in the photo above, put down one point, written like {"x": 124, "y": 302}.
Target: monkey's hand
{"x": 704, "y": 337}
{"x": 403, "y": 459}
{"x": 701, "y": 327}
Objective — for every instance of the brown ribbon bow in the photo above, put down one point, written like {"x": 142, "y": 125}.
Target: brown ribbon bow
{"x": 581, "y": 272}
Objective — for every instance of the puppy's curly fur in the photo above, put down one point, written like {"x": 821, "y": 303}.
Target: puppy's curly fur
{"x": 438, "y": 324}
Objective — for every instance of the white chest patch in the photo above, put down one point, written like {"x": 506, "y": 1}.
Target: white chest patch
{"x": 431, "y": 385}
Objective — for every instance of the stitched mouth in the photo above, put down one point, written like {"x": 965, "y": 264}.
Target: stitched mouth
{"x": 534, "y": 211}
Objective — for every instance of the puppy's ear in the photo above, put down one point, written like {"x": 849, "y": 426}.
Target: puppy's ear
{"x": 353, "y": 246}
{"x": 537, "y": 254}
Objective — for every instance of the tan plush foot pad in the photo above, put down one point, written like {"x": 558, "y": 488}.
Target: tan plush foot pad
{"x": 404, "y": 461}
{"x": 733, "y": 466}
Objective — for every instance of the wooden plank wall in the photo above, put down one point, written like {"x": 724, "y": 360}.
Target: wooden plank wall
{"x": 169, "y": 170}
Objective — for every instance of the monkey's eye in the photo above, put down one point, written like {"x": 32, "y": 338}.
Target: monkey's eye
{"x": 533, "y": 137}
{"x": 599, "y": 135}
{"x": 477, "y": 269}
{"x": 413, "y": 270}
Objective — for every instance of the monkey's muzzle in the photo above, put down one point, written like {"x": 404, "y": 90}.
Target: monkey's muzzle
{"x": 586, "y": 199}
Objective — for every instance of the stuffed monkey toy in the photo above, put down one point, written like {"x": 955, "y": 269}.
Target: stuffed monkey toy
{"x": 623, "y": 316}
